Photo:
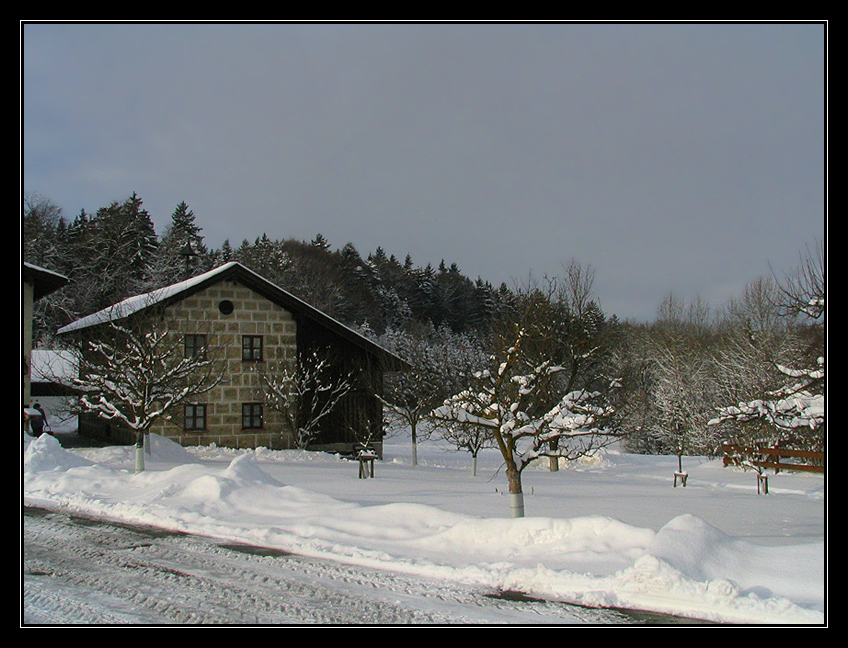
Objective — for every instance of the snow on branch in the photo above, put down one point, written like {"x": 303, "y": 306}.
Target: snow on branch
{"x": 514, "y": 411}
{"x": 304, "y": 392}
{"x": 791, "y": 407}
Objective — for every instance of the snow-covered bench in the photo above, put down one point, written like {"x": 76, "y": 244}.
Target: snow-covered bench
{"x": 366, "y": 456}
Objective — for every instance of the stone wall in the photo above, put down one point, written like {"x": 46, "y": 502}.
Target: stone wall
{"x": 208, "y": 313}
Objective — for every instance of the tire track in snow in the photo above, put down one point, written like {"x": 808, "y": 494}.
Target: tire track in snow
{"x": 82, "y": 571}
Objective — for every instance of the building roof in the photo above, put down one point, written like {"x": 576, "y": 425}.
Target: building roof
{"x": 45, "y": 281}
{"x": 52, "y": 366}
{"x": 234, "y": 271}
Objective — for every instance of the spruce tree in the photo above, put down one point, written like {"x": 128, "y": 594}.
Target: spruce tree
{"x": 118, "y": 245}
{"x": 182, "y": 252}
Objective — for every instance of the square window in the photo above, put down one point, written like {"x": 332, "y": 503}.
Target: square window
{"x": 251, "y": 416}
{"x": 251, "y": 348}
{"x": 195, "y": 346}
{"x": 195, "y": 417}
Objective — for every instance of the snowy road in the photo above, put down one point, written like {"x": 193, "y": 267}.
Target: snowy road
{"x": 81, "y": 571}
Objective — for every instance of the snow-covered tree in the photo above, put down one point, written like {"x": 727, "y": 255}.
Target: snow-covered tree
{"x": 320, "y": 242}
{"x": 438, "y": 359}
{"x": 469, "y": 437}
{"x": 134, "y": 375}
{"x": 40, "y": 243}
{"x": 681, "y": 373}
{"x": 788, "y": 407}
{"x": 125, "y": 246}
{"x": 795, "y": 409}
{"x": 680, "y": 401}
{"x": 111, "y": 254}
{"x": 410, "y": 395}
{"x": 581, "y": 333}
{"x": 304, "y": 392}
{"x": 44, "y": 235}
{"x": 518, "y": 398}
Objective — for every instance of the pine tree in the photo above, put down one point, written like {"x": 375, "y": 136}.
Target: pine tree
{"x": 225, "y": 254}
{"x": 320, "y": 242}
{"x": 111, "y": 255}
{"x": 181, "y": 253}
{"x": 123, "y": 250}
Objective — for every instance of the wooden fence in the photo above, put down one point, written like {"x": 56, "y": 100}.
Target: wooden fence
{"x": 764, "y": 456}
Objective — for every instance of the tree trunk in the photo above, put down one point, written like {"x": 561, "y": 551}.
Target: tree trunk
{"x": 516, "y": 495}
{"x": 139, "y": 453}
{"x": 516, "y": 504}
{"x": 414, "y": 444}
{"x": 553, "y": 462}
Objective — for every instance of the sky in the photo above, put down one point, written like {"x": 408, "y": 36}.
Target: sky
{"x": 669, "y": 158}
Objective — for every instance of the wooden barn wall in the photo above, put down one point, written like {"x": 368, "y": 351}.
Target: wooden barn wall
{"x": 358, "y": 417}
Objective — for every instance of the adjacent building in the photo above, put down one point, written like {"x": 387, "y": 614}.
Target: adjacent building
{"x": 36, "y": 283}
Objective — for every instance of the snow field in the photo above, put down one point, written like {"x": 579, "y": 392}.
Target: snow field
{"x": 612, "y": 532}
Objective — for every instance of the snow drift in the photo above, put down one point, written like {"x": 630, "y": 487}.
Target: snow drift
{"x": 687, "y": 567}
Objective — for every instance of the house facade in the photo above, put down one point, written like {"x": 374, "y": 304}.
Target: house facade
{"x": 250, "y": 326}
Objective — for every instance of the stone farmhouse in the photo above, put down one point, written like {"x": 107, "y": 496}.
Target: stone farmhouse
{"x": 251, "y": 323}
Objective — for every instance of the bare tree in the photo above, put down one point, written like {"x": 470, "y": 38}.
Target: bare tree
{"x": 681, "y": 372}
{"x": 438, "y": 361}
{"x": 137, "y": 374}
{"x": 803, "y": 289}
{"x": 304, "y": 392}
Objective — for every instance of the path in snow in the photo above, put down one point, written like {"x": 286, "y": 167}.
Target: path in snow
{"x": 82, "y": 571}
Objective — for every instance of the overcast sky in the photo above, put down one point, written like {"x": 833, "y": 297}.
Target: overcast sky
{"x": 669, "y": 158}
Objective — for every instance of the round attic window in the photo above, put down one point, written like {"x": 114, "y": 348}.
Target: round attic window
{"x": 226, "y": 307}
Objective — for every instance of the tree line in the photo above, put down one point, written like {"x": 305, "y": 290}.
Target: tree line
{"x": 116, "y": 253}
{"x": 538, "y": 370}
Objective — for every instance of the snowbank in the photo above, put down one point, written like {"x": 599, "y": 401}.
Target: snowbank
{"x": 686, "y": 567}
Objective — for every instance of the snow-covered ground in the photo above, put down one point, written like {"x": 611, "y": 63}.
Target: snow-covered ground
{"x": 609, "y": 533}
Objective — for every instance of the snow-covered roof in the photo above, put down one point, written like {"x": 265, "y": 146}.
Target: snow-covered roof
{"x": 246, "y": 276}
{"x": 47, "y": 365}
{"x": 138, "y": 303}
{"x": 45, "y": 281}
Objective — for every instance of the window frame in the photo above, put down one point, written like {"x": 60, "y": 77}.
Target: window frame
{"x": 250, "y": 350}
{"x": 252, "y": 416}
{"x": 195, "y": 345}
{"x": 199, "y": 412}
